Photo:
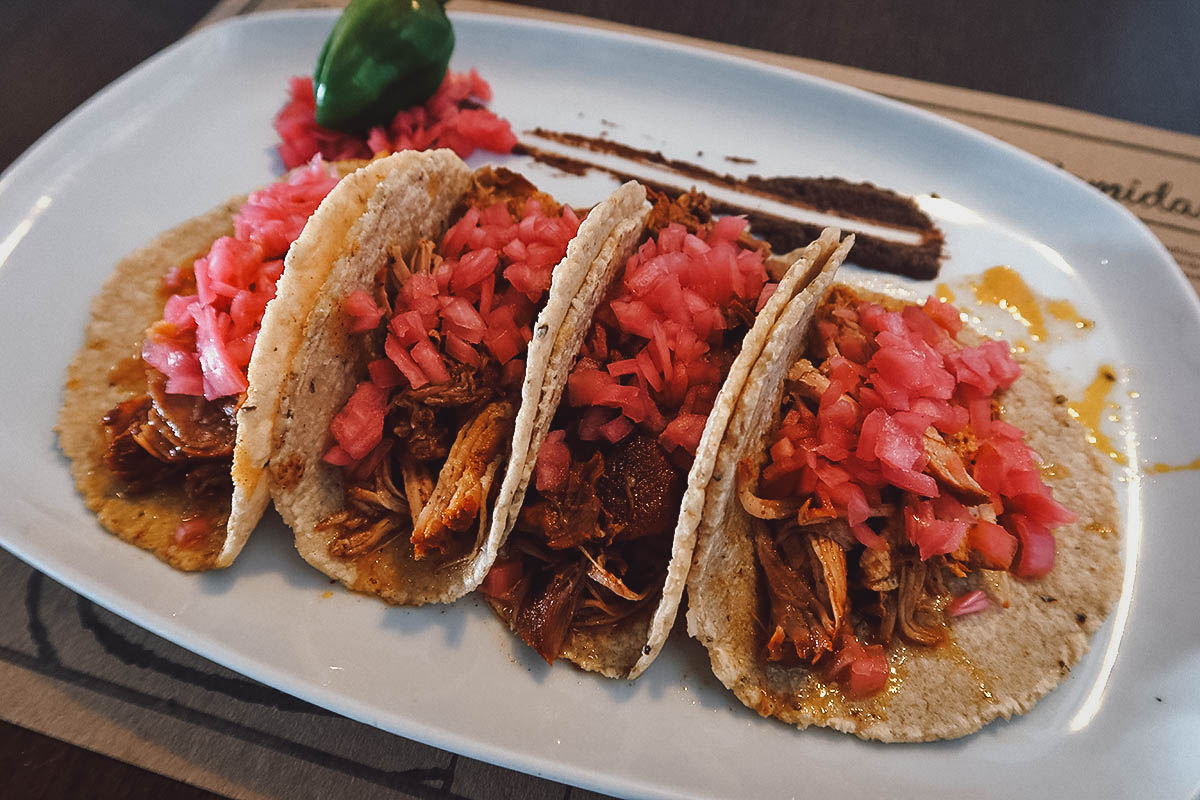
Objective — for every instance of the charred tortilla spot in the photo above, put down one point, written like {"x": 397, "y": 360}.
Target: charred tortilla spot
{"x": 288, "y": 472}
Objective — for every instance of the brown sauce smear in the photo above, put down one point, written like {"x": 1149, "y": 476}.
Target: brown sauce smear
{"x": 128, "y": 374}
{"x": 862, "y": 201}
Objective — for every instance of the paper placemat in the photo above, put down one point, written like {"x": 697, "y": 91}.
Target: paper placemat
{"x": 76, "y": 672}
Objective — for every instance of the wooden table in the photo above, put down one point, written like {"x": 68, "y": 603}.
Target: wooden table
{"x": 1136, "y": 61}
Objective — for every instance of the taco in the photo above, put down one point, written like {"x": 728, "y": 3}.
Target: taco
{"x": 595, "y": 566}
{"x": 149, "y": 410}
{"x": 408, "y": 357}
{"x": 880, "y": 552}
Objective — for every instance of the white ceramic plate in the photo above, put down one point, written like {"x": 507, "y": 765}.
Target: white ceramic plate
{"x": 193, "y": 126}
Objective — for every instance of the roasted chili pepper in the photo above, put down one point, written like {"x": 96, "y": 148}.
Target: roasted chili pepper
{"x": 382, "y": 56}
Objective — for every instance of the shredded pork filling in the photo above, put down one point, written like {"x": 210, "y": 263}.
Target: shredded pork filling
{"x": 444, "y": 441}
{"x": 594, "y": 551}
{"x": 441, "y": 472}
{"x": 159, "y": 440}
{"x": 826, "y": 584}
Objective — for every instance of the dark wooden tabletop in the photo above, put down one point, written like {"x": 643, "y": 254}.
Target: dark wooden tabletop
{"x": 1131, "y": 60}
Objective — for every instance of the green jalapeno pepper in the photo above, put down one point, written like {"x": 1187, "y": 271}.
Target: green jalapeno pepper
{"x": 382, "y": 56}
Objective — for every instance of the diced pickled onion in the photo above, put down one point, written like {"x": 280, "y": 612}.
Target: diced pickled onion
{"x": 364, "y": 313}
{"x": 617, "y": 429}
{"x": 861, "y": 671}
{"x": 461, "y": 318}
{"x": 384, "y": 373}
{"x": 222, "y": 376}
{"x": 338, "y": 456}
{"x": 553, "y": 463}
{"x": 234, "y": 282}
{"x": 971, "y": 602}
{"x": 931, "y": 535}
{"x": 684, "y": 431}
{"x": 430, "y": 362}
{"x": 1036, "y": 557}
{"x": 451, "y": 118}
{"x": 996, "y": 545}
{"x": 358, "y": 427}
{"x": 367, "y": 465}
{"x": 404, "y": 362}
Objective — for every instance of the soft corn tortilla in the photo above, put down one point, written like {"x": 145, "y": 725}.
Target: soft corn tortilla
{"x": 419, "y": 188}
{"x": 999, "y": 662}
{"x": 108, "y": 370}
{"x": 626, "y": 649}
{"x": 316, "y": 361}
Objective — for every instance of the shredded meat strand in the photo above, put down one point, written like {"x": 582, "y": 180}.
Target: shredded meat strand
{"x": 157, "y": 438}
{"x": 418, "y": 485}
{"x": 543, "y": 623}
{"x": 747, "y": 484}
{"x": 571, "y": 516}
{"x": 831, "y": 562}
{"x": 795, "y": 610}
{"x": 948, "y": 468}
{"x": 912, "y": 602}
{"x": 458, "y": 495}
{"x": 609, "y": 581}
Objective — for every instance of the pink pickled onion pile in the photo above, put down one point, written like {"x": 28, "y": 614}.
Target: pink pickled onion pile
{"x": 672, "y": 299}
{"x": 204, "y": 341}
{"x": 480, "y": 302}
{"x": 910, "y": 373}
{"x": 452, "y": 118}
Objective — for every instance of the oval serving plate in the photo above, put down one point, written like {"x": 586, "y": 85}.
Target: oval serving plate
{"x": 192, "y": 126}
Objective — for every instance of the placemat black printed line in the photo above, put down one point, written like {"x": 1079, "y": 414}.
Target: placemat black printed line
{"x": 1170, "y": 225}
{"x": 134, "y": 654}
{"x": 33, "y": 620}
{"x": 48, "y": 664}
{"x": 1041, "y": 126}
{"x": 413, "y": 781}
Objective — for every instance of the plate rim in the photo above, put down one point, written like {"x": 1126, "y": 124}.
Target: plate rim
{"x": 213, "y": 649}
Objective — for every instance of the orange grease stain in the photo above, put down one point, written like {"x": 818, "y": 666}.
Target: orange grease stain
{"x": 1093, "y": 406}
{"x": 1065, "y": 311}
{"x": 1002, "y": 286}
{"x": 1161, "y": 468}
